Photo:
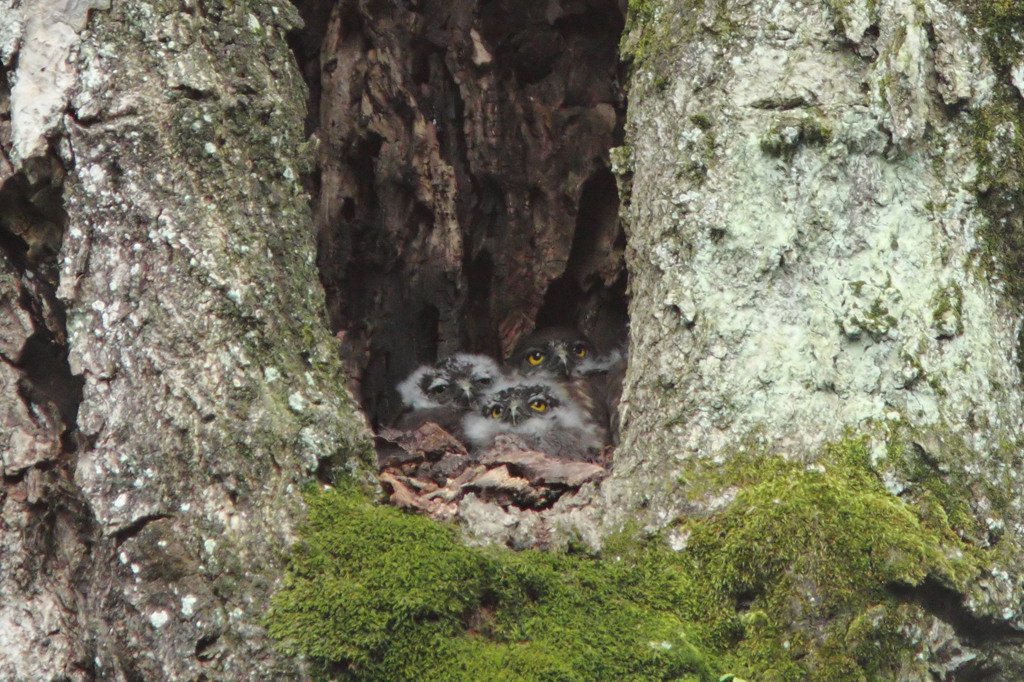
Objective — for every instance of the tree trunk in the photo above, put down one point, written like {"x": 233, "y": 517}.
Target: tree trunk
{"x": 822, "y": 410}
{"x": 823, "y": 215}
{"x": 824, "y": 245}
{"x": 173, "y": 386}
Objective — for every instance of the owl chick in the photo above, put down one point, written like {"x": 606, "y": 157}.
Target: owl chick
{"x": 542, "y": 413}
{"x": 593, "y": 380}
{"x": 443, "y": 392}
{"x": 600, "y": 379}
{"x": 552, "y": 351}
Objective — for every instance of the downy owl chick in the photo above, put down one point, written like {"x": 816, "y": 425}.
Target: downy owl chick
{"x": 552, "y": 351}
{"x": 566, "y": 355}
{"x": 601, "y": 378}
{"x": 542, "y": 413}
{"x": 443, "y": 392}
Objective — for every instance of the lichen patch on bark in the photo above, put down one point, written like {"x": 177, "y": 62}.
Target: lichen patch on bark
{"x": 830, "y": 266}
{"x": 46, "y": 45}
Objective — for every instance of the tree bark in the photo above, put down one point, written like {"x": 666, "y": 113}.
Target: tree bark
{"x": 823, "y": 207}
{"x": 819, "y": 252}
{"x": 171, "y": 389}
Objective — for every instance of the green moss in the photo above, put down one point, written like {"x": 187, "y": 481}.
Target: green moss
{"x": 702, "y": 121}
{"x": 913, "y": 370}
{"x": 376, "y": 594}
{"x": 942, "y": 494}
{"x": 637, "y": 35}
{"x": 792, "y": 581}
{"x": 700, "y": 155}
{"x": 996, "y": 132}
{"x": 654, "y": 34}
{"x": 948, "y": 311}
{"x": 788, "y": 133}
{"x": 876, "y": 321}
{"x": 808, "y": 557}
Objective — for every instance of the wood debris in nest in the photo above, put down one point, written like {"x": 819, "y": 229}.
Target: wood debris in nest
{"x": 428, "y": 470}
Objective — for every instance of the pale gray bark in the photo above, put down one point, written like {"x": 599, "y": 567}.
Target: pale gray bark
{"x": 808, "y": 263}
{"x": 147, "y": 545}
{"x": 793, "y": 292}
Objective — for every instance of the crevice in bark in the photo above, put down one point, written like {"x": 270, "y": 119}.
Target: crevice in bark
{"x": 205, "y": 647}
{"x": 985, "y": 634}
{"x": 32, "y": 219}
{"x": 32, "y": 224}
{"x": 59, "y": 536}
{"x": 194, "y": 93}
{"x": 54, "y": 537}
{"x": 947, "y": 604}
{"x": 464, "y": 193}
{"x": 47, "y": 377}
{"x": 136, "y": 527}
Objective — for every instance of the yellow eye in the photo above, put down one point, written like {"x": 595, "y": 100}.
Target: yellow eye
{"x": 539, "y": 405}
{"x": 580, "y": 350}
{"x": 536, "y": 357}
{"x": 496, "y": 412}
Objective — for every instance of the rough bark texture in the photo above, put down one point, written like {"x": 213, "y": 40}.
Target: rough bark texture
{"x": 823, "y": 406}
{"x": 173, "y": 386}
{"x": 811, "y": 258}
{"x": 465, "y": 191}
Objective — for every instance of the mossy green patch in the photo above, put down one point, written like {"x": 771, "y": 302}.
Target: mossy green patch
{"x": 948, "y": 311}
{"x": 996, "y": 132}
{"x": 654, "y": 34}
{"x": 813, "y": 559}
{"x": 702, "y": 121}
{"x": 636, "y": 36}
{"x": 797, "y": 579}
{"x": 376, "y": 594}
{"x": 998, "y": 140}
{"x": 943, "y": 494}
{"x": 788, "y": 133}
{"x": 869, "y": 315}
{"x": 811, "y": 554}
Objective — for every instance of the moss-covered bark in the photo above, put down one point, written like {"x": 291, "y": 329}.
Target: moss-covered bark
{"x": 211, "y": 387}
{"x": 823, "y": 401}
{"x": 823, "y": 404}
{"x": 830, "y": 270}
{"x": 803, "y": 576}
{"x": 377, "y": 594}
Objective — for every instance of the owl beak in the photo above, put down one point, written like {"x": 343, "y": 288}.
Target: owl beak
{"x": 514, "y": 413}
{"x": 467, "y": 390}
{"x": 563, "y": 358}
